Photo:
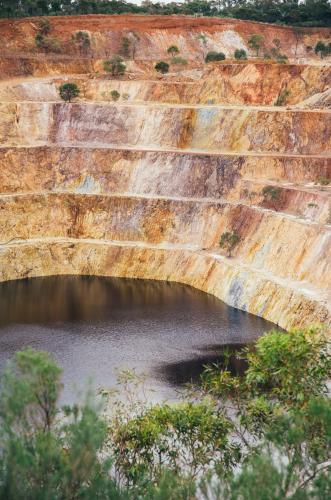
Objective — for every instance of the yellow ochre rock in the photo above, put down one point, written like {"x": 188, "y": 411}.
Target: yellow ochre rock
{"x": 146, "y": 186}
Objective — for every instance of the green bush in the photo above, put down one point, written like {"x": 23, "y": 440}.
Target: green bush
{"x": 276, "y": 53}
{"x": 162, "y": 67}
{"x": 180, "y": 61}
{"x": 69, "y": 91}
{"x": 186, "y": 435}
{"x": 83, "y": 41}
{"x": 173, "y": 50}
{"x": 115, "y": 95}
{"x": 47, "y": 43}
{"x": 263, "y": 434}
{"x": 271, "y": 192}
{"x": 39, "y": 40}
{"x": 214, "y": 56}
{"x": 324, "y": 181}
{"x": 42, "y": 455}
{"x": 282, "y": 97}
{"x": 125, "y": 46}
{"x": 229, "y": 240}
{"x": 282, "y": 58}
{"x": 115, "y": 66}
{"x": 240, "y": 54}
{"x": 44, "y": 27}
{"x": 322, "y": 49}
{"x": 255, "y": 42}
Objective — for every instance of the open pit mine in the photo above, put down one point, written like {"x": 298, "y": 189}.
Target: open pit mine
{"x": 145, "y": 187}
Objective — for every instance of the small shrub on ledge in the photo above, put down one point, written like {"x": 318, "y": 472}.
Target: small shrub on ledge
{"x": 229, "y": 240}
{"x": 82, "y": 39}
{"x": 162, "y": 67}
{"x": 173, "y": 50}
{"x": 282, "y": 97}
{"x": 323, "y": 181}
{"x": 214, "y": 56}
{"x": 47, "y": 43}
{"x": 255, "y": 42}
{"x": 180, "y": 61}
{"x": 322, "y": 49}
{"x": 271, "y": 192}
{"x": 68, "y": 91}
{"x": 44, "y": 27}
{"x": 240, "y": 54}
{"x": 115, "y": 95}
{"x": 43, "y": 40}
{"x": 115, "y": 66}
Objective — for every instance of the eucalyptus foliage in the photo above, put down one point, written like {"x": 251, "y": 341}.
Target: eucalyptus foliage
{"x": 264, "y": 434}
{"x": 293, "y": 12}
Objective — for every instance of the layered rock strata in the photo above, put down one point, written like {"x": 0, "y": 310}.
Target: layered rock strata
{"x": 145, "y": 188}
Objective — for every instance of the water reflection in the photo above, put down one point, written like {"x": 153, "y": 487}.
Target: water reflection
{"x": 189, "y": 370}
{"x": 92, "y": 325}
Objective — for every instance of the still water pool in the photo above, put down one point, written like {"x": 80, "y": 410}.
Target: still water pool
{"x": 93, "y": 326}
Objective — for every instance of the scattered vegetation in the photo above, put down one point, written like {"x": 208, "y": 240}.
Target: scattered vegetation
{"x": 134, "y": 39}
{"x": 240, "y": 54}
{"x": 129, "y": 45}
{"x": 180, "y": 61}
{"x": 324, "y": 181}
{"x": 44, "y": 27}
{"x": 115, "y": 66}
{"x": 214, "y": 56}
{"x": 282, "y": 97}
{"x": 323, "y": 49}
{"x": 264, "y": 434}
{"x": 162, "y": 67}
{"x": 82, "y": 39}
{"x": 50, "y": 44}
{"x": 125, "y": 46}
{"x": 43, "y": 40}
{"x": 229, "y": 240}
{"x": 282, "y": 58}
{"x": 115, "y": 95}
{"x": 255, "y": 42}
{"x": 276, "y": 53}
{"x": 173, "y": 50}
{"x": 68, "y": 91}
{"x": 271, "y": 194}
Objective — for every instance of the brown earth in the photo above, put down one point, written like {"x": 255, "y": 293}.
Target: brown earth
{"x": 157, "y": 32}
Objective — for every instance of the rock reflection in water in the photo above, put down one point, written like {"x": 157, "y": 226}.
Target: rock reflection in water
{"x": 92, "y": 325}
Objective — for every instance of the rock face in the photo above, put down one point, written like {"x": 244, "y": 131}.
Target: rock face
{"x": 145, "y": 187}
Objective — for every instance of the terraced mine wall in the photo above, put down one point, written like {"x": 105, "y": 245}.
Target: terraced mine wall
{"x": 146, "y": 187}
{"x": 207, "y": 128}
{"x": 249, "y": 83}
{"x": 152, "y": 35}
